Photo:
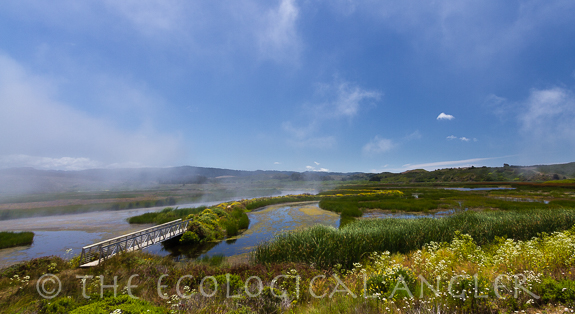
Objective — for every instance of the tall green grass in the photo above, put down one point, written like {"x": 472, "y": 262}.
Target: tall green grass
{"x": 166, "y": 215}
{"x": 327, "y": 246}
{"x": 11, "y": 239}
{"x": 265, "y": 201}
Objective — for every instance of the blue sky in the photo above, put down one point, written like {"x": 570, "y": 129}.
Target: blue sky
{"x": 314, "y": 85}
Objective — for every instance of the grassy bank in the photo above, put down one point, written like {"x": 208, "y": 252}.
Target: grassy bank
{"x": 353, "y": 201}
{"x": 544, "y": 265}
{"x": 12, "y": 239}
{"x": 326, "y": 247}
{"x": 166, "y": 215}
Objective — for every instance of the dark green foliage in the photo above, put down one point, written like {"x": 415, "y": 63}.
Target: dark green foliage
{"x": 265, "y": 201}
{"x": 243, "y": 221}
{"x": 231, "y": 228}
{"x": 235, "y": 282}
{"x": 480, "y": 174}
{"x": 125, "y": 303}
{"x": 214, "y": 260}
{"x": 11, "y": 239}
{"x": 166, "y": 215}
{"x": 552, "y": 290}
{"x": 326, "y": 246}
{"x": 60, "y": 305}
{"x": 351, "y": 212}
{"x": 189, "y": 237}
{"x": 36, "y": 267}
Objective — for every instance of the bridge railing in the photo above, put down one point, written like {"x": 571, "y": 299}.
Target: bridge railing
{"x": 132, "y": 241}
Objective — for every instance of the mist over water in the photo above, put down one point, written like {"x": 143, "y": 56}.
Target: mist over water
{"x": 54, "y": 235}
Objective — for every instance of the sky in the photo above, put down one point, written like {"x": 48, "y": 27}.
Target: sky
{"x": 294, "y": 85}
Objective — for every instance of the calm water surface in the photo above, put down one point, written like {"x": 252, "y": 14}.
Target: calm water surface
{"x": 65, "y": 235}
{"x": 264, "y": 224}
{"x": 56, "y": 235}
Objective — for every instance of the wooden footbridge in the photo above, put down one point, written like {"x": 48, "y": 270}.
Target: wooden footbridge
{"x": 96, "y": 253}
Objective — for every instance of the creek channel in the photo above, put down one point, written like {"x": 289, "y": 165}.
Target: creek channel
{"x": 65, "y": 235}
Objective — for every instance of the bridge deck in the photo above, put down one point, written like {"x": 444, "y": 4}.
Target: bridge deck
{"x": 93, "y": 255}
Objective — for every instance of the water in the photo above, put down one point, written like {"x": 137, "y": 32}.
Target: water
{"x": 383, "y": 215}
{"x": 520, "y": 199}
{"x": 478, "y": 189}
{"x": 60, "y": 243}
{"x": 264, "y": 224}
{"x": 55, "y": 235}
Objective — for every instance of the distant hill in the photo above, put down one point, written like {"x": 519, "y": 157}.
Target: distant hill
{"x": 29, "y": 180}
{"x": 482, "y": 174}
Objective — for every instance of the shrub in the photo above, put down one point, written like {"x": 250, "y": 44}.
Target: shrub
{"x": 189, "y": 237}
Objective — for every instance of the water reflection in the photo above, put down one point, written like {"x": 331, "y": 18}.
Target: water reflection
{"x": 61, "y": 243}
{"x": 264, "y": 224}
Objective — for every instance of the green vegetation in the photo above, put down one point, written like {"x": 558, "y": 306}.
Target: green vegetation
{"x": 354, "y": 200}
{"x": 506, "y": 173}
{"x": 326, "y": 247}
{"x": 527, "y": 232}
{"x": 11, "y": 239}
{"x": 166, "y": 215}
{"x": 265, "y": 201}
{"x": 215, "y": 223}
{"x": 543, "y": 265}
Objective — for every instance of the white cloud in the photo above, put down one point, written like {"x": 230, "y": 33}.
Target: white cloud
{"x": 543, "y": 106}
{"x": 343, "y": 99}
{"x": 447, "y": 164}
{"x": 316, "y": 163}
{"x": 149, "y": 16}
{"x": 471, "y": 33}
{"x": 416, "y": 135}
{"x": 277, "y": 163}
{"x": 336, "y": 101}
{"x": 33, "y": 122}
{"x": 547, "y": 118}
{"x": 463, "y": 138}
{"x": 311, "y": 168}
{"x": 443, "y": 116}
{"x": 499, "y": 106}
{"x": 324, "y": 142}
{"x": 278, "y": 38}
{"x": 216, "y": 30}
{"x": 299, "y": 132}
{"x": 377, "y": 145}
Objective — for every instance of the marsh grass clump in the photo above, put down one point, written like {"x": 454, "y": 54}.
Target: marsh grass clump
{"x": 166, "y": 215}
{"x": 12, "y": 239}
{"x": 326, "y": 246}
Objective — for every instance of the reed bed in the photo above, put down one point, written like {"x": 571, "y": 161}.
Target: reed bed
{"x": 12, "y": 239}
{"x": 326, "y": 247}
{"x": 166, "y": 215}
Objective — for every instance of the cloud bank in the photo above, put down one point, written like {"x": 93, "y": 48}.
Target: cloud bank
{"x": 38, "y": 130}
